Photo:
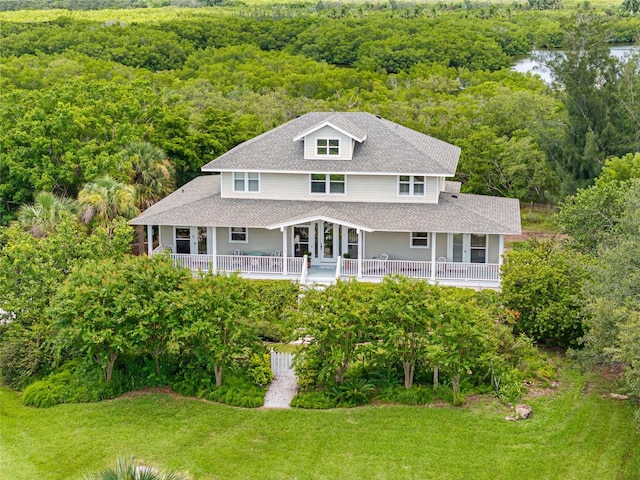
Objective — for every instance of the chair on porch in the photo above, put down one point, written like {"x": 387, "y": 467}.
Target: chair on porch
{"x": 378, "y": 265}
{"x": 237, "y": 262}
{"x": 276, "y": 261}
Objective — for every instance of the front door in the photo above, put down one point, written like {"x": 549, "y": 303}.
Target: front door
{"x": 468, "y": 248}
{"x": 191, "y": 240}
{"x": 327, "y": 240}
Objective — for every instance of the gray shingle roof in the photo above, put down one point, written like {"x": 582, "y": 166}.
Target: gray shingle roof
{"x": 198, "y": 203}
{"x": 388, "y": 148}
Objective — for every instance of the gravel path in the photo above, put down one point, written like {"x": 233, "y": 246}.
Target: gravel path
{"x": 281, "y": 390}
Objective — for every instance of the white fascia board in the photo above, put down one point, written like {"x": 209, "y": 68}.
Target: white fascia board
{"x": 316, "y": 218}
{"x": 318, "y": 170}
{"x": 329, "y": 124}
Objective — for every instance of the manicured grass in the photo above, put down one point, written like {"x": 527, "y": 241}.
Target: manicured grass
{"x": 572, "y": 435}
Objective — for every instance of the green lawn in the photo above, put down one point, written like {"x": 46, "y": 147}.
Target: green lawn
{"x": 573, "y": 435}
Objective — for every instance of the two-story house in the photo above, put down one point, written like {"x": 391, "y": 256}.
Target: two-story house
{"x": 353, "y": 193}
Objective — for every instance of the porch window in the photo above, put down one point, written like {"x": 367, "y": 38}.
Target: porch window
{"x": 328, "y": 146}
{"x": 323, "y": 183}
{"x": 411, "y": 185}
{"x": 478, "y": 249}
{"x": 183, "y": 240}
{"x": 238, "y": 235}
{"x": 419, "y": 240}
{"x": 246, "y": 182}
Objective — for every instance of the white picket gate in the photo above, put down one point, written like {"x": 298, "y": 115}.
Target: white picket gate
{"x": 281, "y": 363}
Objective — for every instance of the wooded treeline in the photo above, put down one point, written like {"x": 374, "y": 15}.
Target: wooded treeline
{"x": 74, "y": 91}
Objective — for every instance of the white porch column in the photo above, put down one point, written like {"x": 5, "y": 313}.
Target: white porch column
{"x": 212, "y": 236}
{"x": 433, "y": 256}
{"x": 360, "y": 252}
{"x": 285, "y": 231}
{"x": 500, "y": 249}
{"x": 149, "y": 240}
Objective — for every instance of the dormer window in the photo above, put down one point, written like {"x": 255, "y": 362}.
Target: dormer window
{"x": 246, "y": 182}
{"x": 411, "y": 185}
{"x": 328, "y": 146}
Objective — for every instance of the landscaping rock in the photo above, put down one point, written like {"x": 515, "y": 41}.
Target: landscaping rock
{"x": 616, "y": 396}
{"x": 523, "y": 411}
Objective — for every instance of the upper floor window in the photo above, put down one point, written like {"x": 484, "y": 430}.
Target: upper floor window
{"x": 327, "y": 146}
{"x": 413, "y": 185}
{"x": 246, "y": 182}
{"x": 419, "y": 240}
{"x": 327, "y": 183}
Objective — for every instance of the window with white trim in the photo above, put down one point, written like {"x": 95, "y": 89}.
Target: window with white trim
{"x": 328, "y": 146}
{"x": 328, "y": 183}
{"x": 246, "y": 182}
{"x": 238, "y": 234}
{"x": 478, "y": 248}
{"x": 419, "y": 240}
{"x": 411, "y": 185}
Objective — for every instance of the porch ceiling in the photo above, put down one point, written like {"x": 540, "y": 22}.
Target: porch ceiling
{"x": 199, "y": 203}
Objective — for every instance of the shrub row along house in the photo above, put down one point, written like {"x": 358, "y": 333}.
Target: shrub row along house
{"x": 354, "y": 194}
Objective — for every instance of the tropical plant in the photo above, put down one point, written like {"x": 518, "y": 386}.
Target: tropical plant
{"x": 45, "y": 213}
{"x": 106, "y": 199}
{"x": 152, "y": 175}
{"x": 129, "y": 469}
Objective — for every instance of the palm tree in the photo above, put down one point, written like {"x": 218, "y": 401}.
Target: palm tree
{"x": 106, "y": 199}
{"x": 45, "y": 213}
{"x": 153, "y": 177}
{"x": 131, "y": 470}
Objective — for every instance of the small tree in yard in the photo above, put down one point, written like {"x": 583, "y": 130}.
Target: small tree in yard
{"x": 90, "y": 309}
{"x": 336, "y": 320}
{"x": 215, "y": 312}
{"x": 467, "y": 335}
{"x": 405, "y": 321}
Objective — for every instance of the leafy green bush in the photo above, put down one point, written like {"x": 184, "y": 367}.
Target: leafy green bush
{"x": 239, "y": 392}
{"x": 74, "y": 382}
{"x": 259, "y": 369}
{"x": 273, "y": 299}
{"x": 416, "y": 395}
{"x": 315, "y": 399}
{"x": 237, "y": 389}
{"x": 511, "y": 388}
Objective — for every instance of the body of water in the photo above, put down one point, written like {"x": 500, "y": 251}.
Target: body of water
{"x": 528, "y": 64}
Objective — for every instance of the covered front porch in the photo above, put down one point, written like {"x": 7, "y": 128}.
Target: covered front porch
{"x": 321, "y": 250}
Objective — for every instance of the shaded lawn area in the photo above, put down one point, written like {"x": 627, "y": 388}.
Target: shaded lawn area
{"x": 572, "y": 435}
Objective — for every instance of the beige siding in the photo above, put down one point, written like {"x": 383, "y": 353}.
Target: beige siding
{"x": 346, "y": 144}
{"x": 260, "y": 240}
{"x": 394, "y": 244}
{"x": 166, "y": 236}
{"x": 359, "y": 188}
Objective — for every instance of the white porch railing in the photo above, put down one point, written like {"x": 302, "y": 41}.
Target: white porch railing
{"x": 422, "y": 269}
{"x": 467, "y": 271}
{"x": 239, "y": 263}
{"x": 193, "y": 262}
{"x": 348, "y": 267}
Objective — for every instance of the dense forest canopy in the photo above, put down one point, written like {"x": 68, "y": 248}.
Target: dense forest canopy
{"x": 76, "y": 88}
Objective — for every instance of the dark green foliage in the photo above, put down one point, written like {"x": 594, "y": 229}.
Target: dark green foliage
{"x": 417, "y": 395}
{"x": 75, "y": 382}
{"x": 129, "y": 469}
{"x": 238, "y": 389}
{"x": 274, "y": 302}
{"x": 352, "y": 392}
{"x": 315, "y": 400}
{"x": 543, "y": 285}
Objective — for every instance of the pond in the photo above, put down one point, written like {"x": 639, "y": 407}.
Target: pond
{"x": 528, "y": 64}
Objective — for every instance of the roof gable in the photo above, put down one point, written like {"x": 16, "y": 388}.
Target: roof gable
{"x": 340, "y": 123}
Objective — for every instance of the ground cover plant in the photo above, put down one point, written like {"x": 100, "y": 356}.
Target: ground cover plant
{"x": 574, "y": 434}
